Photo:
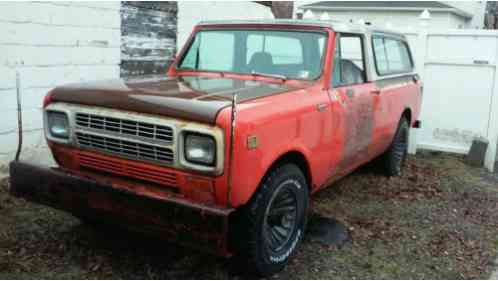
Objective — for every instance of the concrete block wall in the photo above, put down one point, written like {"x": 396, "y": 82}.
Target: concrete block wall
{"x": 49, "y": 44}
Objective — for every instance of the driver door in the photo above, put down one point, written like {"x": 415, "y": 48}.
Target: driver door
{"x": 355, "y": 102}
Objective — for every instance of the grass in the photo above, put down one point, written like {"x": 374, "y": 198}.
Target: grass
{"x": 438, "y": 221}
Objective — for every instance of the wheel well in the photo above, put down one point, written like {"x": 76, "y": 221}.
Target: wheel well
{"x": 408, "y": 115}
{"x": 296, "y": 158}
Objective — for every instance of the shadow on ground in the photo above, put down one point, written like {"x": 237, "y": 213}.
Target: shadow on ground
{"x": 438, "y": 221}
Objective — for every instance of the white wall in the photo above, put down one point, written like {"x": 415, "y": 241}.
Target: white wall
{"x": 192, "y": 12}
{"x": 50, "y": 44}
{"x": 476, "y": 8}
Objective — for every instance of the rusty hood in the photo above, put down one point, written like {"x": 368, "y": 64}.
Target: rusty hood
{"x": 189, "y": 97}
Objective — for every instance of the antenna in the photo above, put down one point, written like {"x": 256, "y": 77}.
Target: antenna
{"x": 232, "y": 141}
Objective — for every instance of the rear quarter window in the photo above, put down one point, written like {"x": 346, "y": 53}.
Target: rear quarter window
{"x": 392, "y": 56}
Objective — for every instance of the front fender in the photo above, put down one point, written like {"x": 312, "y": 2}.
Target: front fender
{"x": 294, "y": 125}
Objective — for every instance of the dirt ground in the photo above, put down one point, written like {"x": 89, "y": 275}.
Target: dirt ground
{"x": 438, "y": 221}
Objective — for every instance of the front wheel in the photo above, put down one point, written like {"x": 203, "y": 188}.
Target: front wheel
{"x": 395, "y": 156}
{"x": 272, "y": 225}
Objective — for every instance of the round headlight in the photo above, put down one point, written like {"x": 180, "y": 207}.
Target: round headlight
{"x": 58, "y": 124}
{"x": 200, "y": 149}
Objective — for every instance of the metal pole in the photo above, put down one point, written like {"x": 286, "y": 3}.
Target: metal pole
{"x": 232, "y": 141}
{"x": 19, "y": 116}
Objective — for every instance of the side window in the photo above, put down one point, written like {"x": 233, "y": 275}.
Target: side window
{"x": 321, "y": 45}
{"x": 380, "y": 55}
{"x": 349, "y": 61}
{"x": 391, "y": 56}
{"x": 190, "y": 60}
{"x": 336, "y": 74}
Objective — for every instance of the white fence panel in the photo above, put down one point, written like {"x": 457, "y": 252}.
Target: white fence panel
{"x": 455, "y": 110}
{"x": 460, "y": 102}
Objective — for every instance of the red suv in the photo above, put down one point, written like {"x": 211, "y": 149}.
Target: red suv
{"x": 223, "y": 153}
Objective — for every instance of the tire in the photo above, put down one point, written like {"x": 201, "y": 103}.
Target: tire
{"x": 271, "y": 226}
{"x": 88, "y": 220}
{"x": 395, "y": 156}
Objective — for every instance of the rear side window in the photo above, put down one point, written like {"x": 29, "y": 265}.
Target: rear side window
{"x": 392, "y": 56}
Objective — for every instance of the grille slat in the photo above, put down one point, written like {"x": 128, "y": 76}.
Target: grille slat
{"x": 127, "y": 168}
{"x": 125, "y": 127}
{"x": 125, "y": 148}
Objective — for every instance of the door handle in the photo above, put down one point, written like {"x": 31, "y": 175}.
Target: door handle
{"x": 321, "y": 106}
{"x": 416, "y": 78}
{"x": 375, "y": 92}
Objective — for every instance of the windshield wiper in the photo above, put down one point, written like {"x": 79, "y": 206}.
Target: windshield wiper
{"x": 278, "y": 76}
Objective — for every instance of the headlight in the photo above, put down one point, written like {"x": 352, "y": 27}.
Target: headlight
{"x": 200, "y": 149}
{"x": 58, "y": 124}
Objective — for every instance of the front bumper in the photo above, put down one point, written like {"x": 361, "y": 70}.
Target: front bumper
{"x": 198, "y": 226}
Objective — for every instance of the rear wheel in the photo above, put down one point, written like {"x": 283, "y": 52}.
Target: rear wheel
{"x": 272, "y": 225}
{"x": 395, "y": 156}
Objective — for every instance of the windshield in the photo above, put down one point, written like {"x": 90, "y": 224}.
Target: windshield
{"x": 285, "y": 54}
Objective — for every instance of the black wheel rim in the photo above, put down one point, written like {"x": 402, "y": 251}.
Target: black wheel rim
{"x": 401, "y": 148}
{"x": 280, "y": 219}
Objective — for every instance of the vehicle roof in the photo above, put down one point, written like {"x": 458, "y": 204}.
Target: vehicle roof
{"x": 338, "y": 26}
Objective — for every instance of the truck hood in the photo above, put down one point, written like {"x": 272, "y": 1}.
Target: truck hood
{"x": 186, "y": 97}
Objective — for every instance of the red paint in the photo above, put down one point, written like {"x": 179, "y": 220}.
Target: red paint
{"x": 334, "y": 140}
{"x": 290, "y": 122}
{"x": 148, "y": 179}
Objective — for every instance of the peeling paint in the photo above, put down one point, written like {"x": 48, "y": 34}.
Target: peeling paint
{"x": 148, "y": 37}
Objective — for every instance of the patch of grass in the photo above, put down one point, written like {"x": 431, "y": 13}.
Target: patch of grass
{"x": 438, "y": 221}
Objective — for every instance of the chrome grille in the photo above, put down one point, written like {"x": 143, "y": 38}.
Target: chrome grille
{"x": 134, "y": 150}
{"x": 125, "y": 127}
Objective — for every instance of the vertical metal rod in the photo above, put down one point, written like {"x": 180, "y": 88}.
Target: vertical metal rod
{"x": 232, "y": 141}
{"x": 19, "y": 116}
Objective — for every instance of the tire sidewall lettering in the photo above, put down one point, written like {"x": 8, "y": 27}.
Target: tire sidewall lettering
{"x": 275, "y": 259}
{"x": 284, "y": 256}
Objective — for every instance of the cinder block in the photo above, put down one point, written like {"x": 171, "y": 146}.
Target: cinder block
{"x": 31, "y": 139}
{"x": 8, "y": 78}
{"x": 31, "y": 120}
{"x": 37, "y": 12}
{"x": 79, "y": 15}
{"x": 49, "y": 77}
{"x": 8, "y": 143}
{"x": 33, "y": 98}
{"x": 51, "y": 35}
{"x": 25, "y": 55}
{"x": 12, "y": 11}
{"x": 477, "y": 152}
{"x": 30, "y": 99}
{"x": 103, "y": 5}
{"x": 9, "y": 121}
{"x": 8, "y": 101}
